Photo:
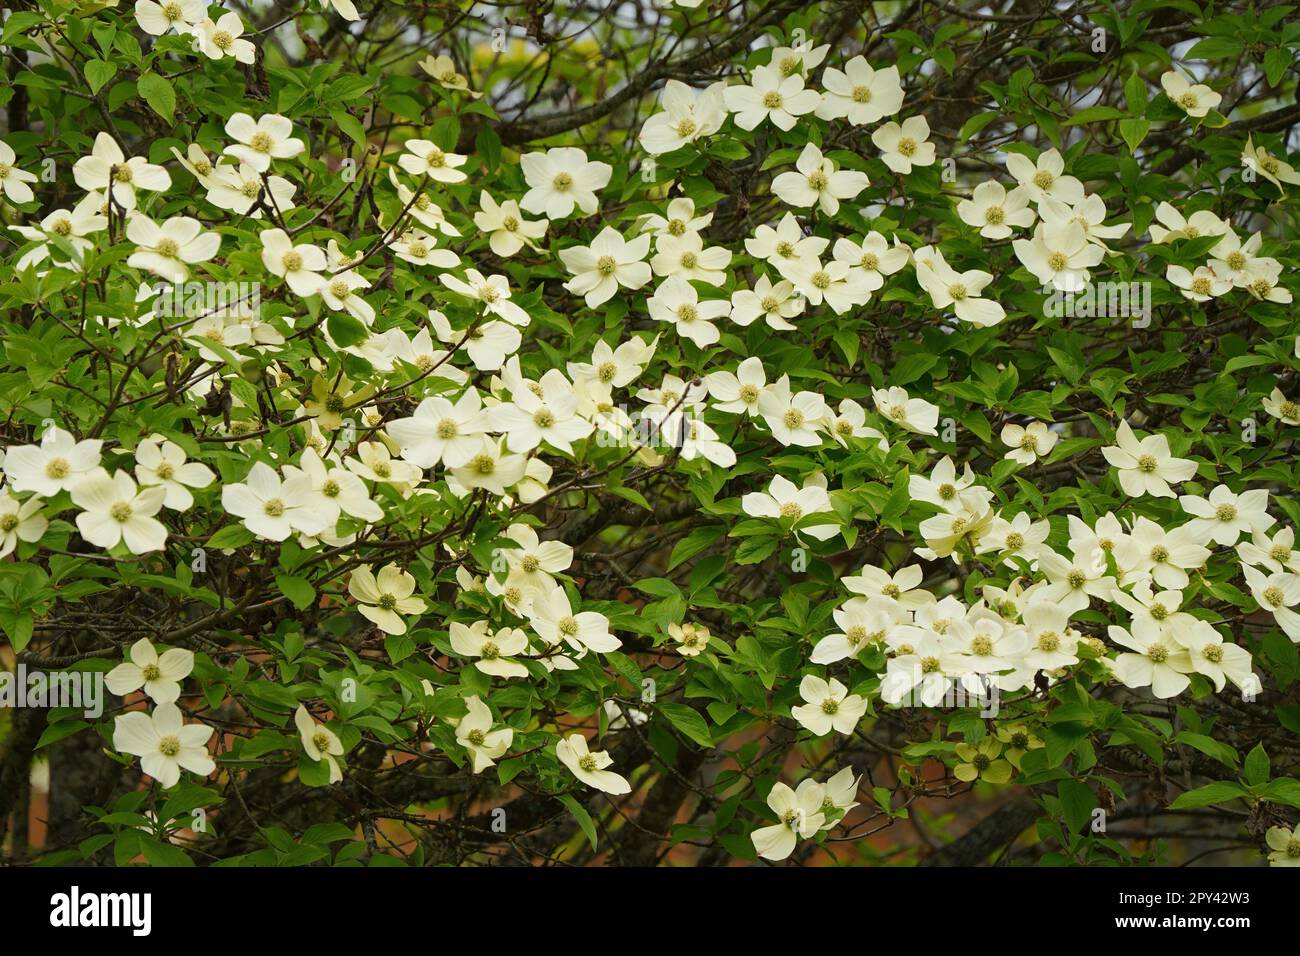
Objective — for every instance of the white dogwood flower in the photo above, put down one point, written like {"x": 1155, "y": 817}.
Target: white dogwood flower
{"x": 257, "y": 142}
{"x": 107, "y": 164}
{"x": 828, "y": 706}
{"x": 474, "y": 732}
{"x": 905, "y": 146}
{"x": 610, "y": 262}
{"x": 859, "y": 93}
{"x": 115, "y": 510}
{"x": 818, "y": 182}
{"x": 165, "y": 744}
{"x": 560, "y": 179}
{"x": 589, "y": 766}
{"x": 158, "y": 675}
{"x": 383, "y": 598}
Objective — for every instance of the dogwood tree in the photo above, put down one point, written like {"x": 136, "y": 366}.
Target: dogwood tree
{"x": 688, "y": 432}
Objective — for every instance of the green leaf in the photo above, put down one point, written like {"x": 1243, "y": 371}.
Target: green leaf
{"x": 689, "y": 722}
{"x": 1077, "y": 801}
{"x": 582, "y": 816}
{"x": 1222, "y": 791}
{"x": 1257, "y": 765}
{"x": 345, "y": 330}
{"x": 1094, "y": 114}
{"x": 231, "y": 536}
{"x": 1276, "y": 62}
{"x": 695, "y": 542}
{"x": 163, "y": 854}
{"x": 99, "y": 72}
{"x": 299, "y": 591}
{"x": 1210, "y": 747}
{"x": 1134, "y": 131}
{"x": 159, "y": 93}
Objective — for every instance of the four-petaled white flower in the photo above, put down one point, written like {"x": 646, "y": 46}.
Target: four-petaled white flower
{"x": 474, "y": 732}
{"x": 560, "y": 179}
{"x": 107, "y": 164}
{"x": 905, "y": 146}
{"x": 383, "y": 598}
{"x": 828, "y": 706}
{"x": 257, "y": 142}
{"x": 319, "y": 742}
{"x": 770, "y": 96}
{"x": 158, "y": 675}
{"x": 608, "y": 263}
{"x": 1146, "y": 467}
{"x": 801, "y": 816}
{"x": 165, "y": 744}
{"x": 589, "y": 765}
{"x": 117, "y": 511}
{"x": 818, "y": 182}
{"x": 1194, "y": 99}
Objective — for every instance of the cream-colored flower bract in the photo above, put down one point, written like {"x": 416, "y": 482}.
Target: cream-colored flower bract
{"x": 800, "y": 814}
{"x": 422, "y": 157}
{"x": 299, "y": 264}
{"x": 158, "y": 675}
{"x": 960, "y": 291}
{"x": 270, "y": 507}
{"x": 443, "y": 69}
{"x": 818, "y": 182}
{"x": 771, "y": 97}
{"x": 1171, "y": 225}
{"x": 677, "y": 302}
{"x": 168, "y": 250}
{"x": 589, "y": 766}
{"x": 914, "y": 414}
{"x": 181, "y": 16}
{"x": 1277, "y": 593}
{"x": 1044, "y": 178}
{"x": 692, "y": 639}
{"x": 474, "y": 732}
{"x": 553, "y": 619}
{"x": 319, "y": 742}
{"x": 788, "y": 503}
{"x": 905, "y": 146}
{"x": 1059, "y": 255}
{"x": 116, "y": 511}
{"x": 1224, "y": 516}
{"x": 108, "y": 164}
{"x": 257, "y": 142}
{"x": 859, "y": 93}
{"x": 610, "y": 262}
{"x": 686, "y": 117}
{"x": 1146, "y": 467}
{"x": 561, "y": 179}
{"x": 13, "y": 181}
{"x": 1199, "y": 286}
{"x": 1029, "y": 442}
{"x": 165, "y": 744}
{"x": 441, "y": 431}
{"x": 1263, "y": 163}
{"x": 383, "y": 598}
{"x": 828, "y": 706}
{"x": 1194, "y": 99}
{"x": 1156, "y": 662}
{"x": 507, "y": 229}
{"x": 225, "y": 38}
{"x": 494, "y": 651}
{"x": 1284, "y": 409}
{"x": 57, "y": 464}
{"x": 994, "y": 211}
{"x": 20, "y": 521}
{"x": 1285, "y": 845}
